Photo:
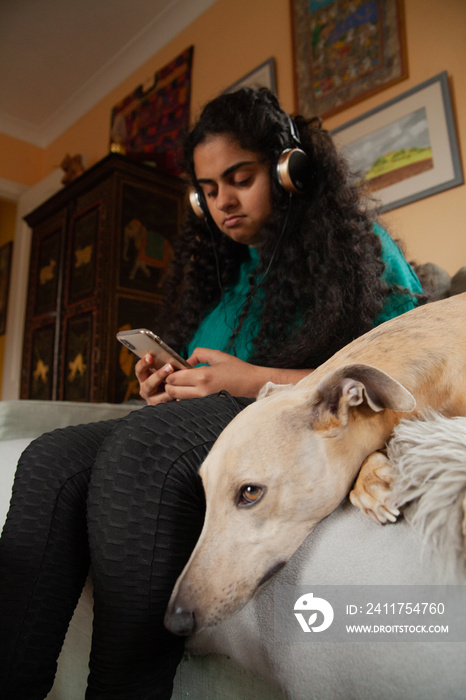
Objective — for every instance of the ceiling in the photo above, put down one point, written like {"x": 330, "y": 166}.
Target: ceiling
{"x": 58, "y": 58}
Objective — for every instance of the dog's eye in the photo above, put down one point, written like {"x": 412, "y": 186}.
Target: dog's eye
{"x": 250, "y": 494}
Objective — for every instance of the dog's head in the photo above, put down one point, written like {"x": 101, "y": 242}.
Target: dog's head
{"x": 279, "y": 467}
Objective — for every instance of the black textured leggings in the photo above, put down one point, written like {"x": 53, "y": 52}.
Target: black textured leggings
{"x": 124, "y": 497}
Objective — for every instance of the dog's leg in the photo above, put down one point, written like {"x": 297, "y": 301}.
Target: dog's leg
{"x": 371, "y": 491}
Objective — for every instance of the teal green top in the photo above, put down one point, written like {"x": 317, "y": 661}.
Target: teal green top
{"x": 398, "y": 272}
{"x": 216, "y": 328}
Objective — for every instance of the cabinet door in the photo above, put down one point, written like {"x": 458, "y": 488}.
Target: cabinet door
{"x": 78, "y": 357}
{"x": 42, "y": 328}
{"x": 148, "y": 219}
{"x": 88, "y": 262}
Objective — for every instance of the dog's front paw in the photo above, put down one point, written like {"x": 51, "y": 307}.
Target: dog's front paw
{"x": 371, "y": 492}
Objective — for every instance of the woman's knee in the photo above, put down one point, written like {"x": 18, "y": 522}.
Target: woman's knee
{"x": 159, "y": 442}
{"x": 57, "y": 465}
{"x": 177, "y": 426}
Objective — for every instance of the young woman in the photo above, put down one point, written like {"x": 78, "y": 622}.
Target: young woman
{"x": 278, "y": 272}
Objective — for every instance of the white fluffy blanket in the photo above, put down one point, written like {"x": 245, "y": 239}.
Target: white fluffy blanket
{"x": 429, "y": 455}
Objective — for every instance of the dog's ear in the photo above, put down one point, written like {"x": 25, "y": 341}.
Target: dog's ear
{"x": 271, "y": 388}
{"x": 357, "y": 385}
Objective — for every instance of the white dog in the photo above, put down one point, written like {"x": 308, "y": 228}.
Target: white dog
{"x": 289, "y": 459}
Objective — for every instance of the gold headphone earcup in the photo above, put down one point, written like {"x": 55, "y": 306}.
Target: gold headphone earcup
{"x": 195, "y": 202}
{"x": 294, "y": 170}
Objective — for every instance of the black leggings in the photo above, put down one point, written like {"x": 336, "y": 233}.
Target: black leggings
{"x": 125, "y": 498}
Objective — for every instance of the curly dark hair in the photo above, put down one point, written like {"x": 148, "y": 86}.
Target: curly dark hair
{"x": 324, "y": 287}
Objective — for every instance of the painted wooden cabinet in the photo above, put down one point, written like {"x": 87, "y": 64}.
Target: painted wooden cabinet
{"x": 100, "y": 249}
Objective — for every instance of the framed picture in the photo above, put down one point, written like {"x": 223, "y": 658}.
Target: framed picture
{"x": 262, "y": 76}
{"x": 5, "y": 267}
{"x": 346, "y": 51}
{"x": 406, "y": 149}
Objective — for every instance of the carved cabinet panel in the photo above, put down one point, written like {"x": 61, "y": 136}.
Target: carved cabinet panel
{"x": 100, "y": 249}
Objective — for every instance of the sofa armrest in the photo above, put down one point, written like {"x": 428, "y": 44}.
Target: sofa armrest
{"x": 25, "y": 418}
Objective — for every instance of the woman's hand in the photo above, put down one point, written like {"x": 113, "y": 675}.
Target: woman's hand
{"x": 152, "y": 381}
{"x": 220, "y": 371}
{"x": 223, "y": 372}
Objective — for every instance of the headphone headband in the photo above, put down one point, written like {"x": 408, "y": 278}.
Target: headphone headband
{"x": 293, "y": 132}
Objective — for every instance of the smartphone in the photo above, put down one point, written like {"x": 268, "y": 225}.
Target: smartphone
{"x": 141, "y": 341}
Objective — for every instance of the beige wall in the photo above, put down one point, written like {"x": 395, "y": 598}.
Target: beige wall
{"x": 230, "y": 39}
{"x": 20, "y": 161}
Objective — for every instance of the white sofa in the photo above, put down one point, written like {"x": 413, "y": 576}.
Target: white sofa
{"x": 247, "y": 657}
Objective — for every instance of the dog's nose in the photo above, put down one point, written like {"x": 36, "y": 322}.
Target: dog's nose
{"x": 179, "y": 621}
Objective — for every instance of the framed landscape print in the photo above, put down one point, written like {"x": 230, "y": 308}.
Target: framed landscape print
{"x": 407, "y": 148}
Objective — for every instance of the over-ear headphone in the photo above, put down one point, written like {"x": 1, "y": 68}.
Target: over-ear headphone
{"x": 197, "y": 201}
{"x": 293, "y": 167}
{"x": 293, "y": 172}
